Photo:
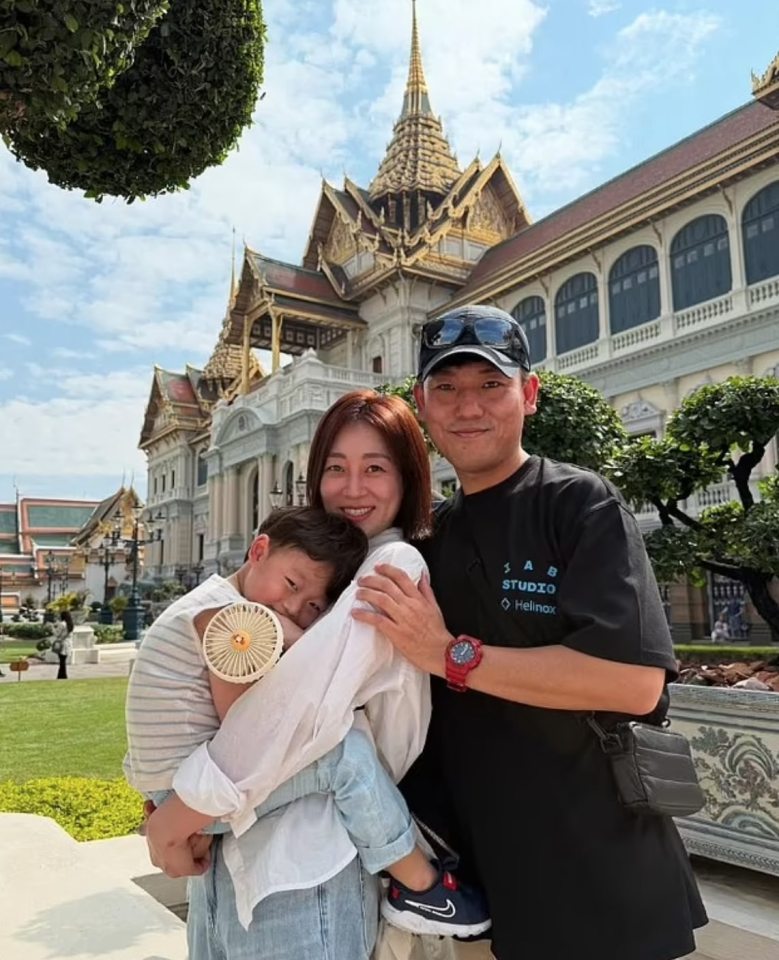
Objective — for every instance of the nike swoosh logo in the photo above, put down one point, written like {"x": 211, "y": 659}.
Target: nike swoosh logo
{"x": 446, "y": 912}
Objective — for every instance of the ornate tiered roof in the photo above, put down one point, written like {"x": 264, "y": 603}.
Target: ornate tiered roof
{"x": 419, "y": 157}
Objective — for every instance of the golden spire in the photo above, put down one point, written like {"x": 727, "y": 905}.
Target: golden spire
{"x": 233, "y": 281}
{"x": 419, "y": 156}
{"x": 416, "y": 99}
{"x": 225, "y": 362}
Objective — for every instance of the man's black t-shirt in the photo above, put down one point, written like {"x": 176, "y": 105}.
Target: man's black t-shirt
{"x": 525, "y": 794}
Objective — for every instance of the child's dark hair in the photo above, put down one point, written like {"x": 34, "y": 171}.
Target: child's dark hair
{"x": 324, "y": 537}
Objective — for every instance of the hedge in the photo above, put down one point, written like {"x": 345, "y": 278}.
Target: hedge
{"x": 108, "y": 632}
{"x": 57, "y": 55}
{"x": 87, "y": 809}
{"x": 179, "y": 109}
{"x": 723, "y": 653}
{"x": 26, "y": 631}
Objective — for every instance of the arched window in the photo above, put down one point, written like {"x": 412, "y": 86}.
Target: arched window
{"x": 576, "y": 312}
{"x": 531, "y": 314}
{"x": 634, "y": 289}
{"x": 202, "y": 469}
{"x": 700, "y": 261}
{"x": 760, "y": 228}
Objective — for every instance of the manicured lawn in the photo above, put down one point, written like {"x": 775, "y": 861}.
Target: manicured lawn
{"x": 73, "y": 728}
{"x": 13, "y": 650}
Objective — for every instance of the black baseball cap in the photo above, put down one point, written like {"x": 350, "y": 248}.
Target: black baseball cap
{"x": 488, "y": 333}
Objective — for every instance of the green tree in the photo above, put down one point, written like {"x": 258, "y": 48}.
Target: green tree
{"x": 721, "y": 430}
{"x": 179, "y": 108}
{"x": 574, "y": 423}
{"x": 58, "y": 55}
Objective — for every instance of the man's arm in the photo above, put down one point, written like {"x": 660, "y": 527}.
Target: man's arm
{"x": 555, "y": 677}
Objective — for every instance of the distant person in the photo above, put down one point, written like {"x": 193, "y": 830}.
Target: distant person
{"x": 736, "y": 618}
{"x": 721, "y": 631}
{"x": 62, "y": 644}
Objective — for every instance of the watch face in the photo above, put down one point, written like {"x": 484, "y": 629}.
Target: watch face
{"x": 462, "y": 653}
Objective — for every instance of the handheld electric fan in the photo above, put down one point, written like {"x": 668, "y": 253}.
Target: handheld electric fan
{"x": 242, "y": 642}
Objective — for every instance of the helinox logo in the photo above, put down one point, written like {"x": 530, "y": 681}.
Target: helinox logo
{"x": 540, "y": 583}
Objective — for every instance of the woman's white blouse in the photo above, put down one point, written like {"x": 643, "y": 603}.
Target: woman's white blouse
{"x": 294, "y": 715}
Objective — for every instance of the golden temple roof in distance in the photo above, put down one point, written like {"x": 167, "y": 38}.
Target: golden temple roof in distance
{"x": 419, "y": 156}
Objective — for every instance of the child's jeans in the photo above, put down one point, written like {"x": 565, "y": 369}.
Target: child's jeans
{"x": 371, "y": 806}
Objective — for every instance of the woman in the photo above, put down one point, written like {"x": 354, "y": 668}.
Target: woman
{"x": 288, "y": 886}
{"x": 61, "y": 643}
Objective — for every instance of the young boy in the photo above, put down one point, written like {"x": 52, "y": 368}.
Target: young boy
{"x": 300, "y": 561}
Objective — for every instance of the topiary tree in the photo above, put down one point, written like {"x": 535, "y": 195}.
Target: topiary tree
{"x": 57, "y": 55}
{"x": 720, "y": 430}
{"x": 177, "y": 110}
{"x": 574, "y": 423}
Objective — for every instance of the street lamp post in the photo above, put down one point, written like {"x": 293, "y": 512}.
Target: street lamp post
{"x": 65, "y": 582}
{"x": 106, "y": 614}
{"x": 1, "y": 594}
{"x": 300, "y": 486}
{"x": 132, "y": 619}
{"x": 198, "y": 571}
{"x": 275, "y": 496}
{"x": 49, "y": 574}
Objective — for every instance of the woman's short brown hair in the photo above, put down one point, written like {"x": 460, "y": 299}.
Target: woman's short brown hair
{"x": 395, "y": 421}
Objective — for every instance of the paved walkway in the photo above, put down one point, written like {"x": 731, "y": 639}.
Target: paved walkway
{"x": 83, "y": 671}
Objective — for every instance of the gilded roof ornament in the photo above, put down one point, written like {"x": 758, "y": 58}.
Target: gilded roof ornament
{"x": 419, "y": 156}
{"x": 766, "y": 87}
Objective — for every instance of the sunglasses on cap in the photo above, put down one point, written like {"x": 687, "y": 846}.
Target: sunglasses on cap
{"x": 498, "y": 333}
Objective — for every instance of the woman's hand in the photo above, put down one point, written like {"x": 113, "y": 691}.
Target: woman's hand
{"x": 176, "y": 854}
{"x": 406, "y": 614}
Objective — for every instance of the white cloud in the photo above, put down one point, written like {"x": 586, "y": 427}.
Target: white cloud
{"x": 558, "y": 148}
{"x": 18, "y": 338}
{"x": 6, "y": 373}
{"x": 598, "y": 8}
{"x": 65, "y": 353}
{"x": 91, "y": 429}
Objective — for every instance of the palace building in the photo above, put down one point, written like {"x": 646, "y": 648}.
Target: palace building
{"x": 662, "y": 279}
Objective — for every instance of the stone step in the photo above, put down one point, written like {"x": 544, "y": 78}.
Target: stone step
{"x": 60, "y": 898}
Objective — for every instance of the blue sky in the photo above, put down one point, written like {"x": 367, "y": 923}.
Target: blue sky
{"x": 92, "y": 296}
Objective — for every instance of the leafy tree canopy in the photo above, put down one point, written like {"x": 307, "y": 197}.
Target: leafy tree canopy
{"x": 177, "y": 110}
{"x": 574, "y": 423}
{"x": 57, "y": 55}
{"x": 719, "y": 432}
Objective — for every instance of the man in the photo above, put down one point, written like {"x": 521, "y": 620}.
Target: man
{"x": 547, "y": 610}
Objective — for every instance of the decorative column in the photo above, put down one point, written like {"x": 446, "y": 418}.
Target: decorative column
{"x": 276, "y": 323}
{"x": 245, "y": 355}
{"x": 215, "y": 507}
{"x": 266, "y": 484}
{"x": 232, "y": 503}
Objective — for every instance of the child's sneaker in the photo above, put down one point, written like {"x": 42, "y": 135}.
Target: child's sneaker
{"x": 449, "y": 908}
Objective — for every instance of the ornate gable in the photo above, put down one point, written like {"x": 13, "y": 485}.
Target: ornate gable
{"x": 341, "y": 244}
{"x": 489, "y": 219}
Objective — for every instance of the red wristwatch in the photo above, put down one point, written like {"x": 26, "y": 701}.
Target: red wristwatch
{"x": 463, "y": 654}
